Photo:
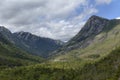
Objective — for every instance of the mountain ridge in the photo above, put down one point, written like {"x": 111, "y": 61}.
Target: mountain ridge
{"x": 94, "y": 26}
{"x": 93, "y": 40}
{"x": 31, "y": 43}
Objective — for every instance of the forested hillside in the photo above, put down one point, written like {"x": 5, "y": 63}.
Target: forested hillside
{"x": 108, "y": 68}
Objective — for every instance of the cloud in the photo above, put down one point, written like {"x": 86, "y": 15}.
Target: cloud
{"x": 57, "y": 19}
{"x": 118, "y": 18}
{"x": 103, "y": 1}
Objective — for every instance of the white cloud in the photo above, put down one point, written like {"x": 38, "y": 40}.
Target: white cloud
{"x": 103, "y": 1}
{"x": 118, "y": 18}
{"x": 58, "y": 19}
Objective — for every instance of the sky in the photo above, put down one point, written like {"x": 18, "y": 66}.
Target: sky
{"x": 56, "y": 19}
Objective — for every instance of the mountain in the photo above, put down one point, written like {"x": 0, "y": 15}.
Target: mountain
{"x": 10, "y": 55}
{"x": 93, "y": 26}
{"x": 35, "y": 44}
{"x": 96, "y": 39}
{"x": 6, "y": 33}
{"x": 31, "y": 43}
{"x": 85, "y": 36}
{"x": 93, "y": 54}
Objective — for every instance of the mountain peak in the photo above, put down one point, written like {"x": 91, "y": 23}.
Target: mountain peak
{"x": 93, "y": 26}
{"x": 24, "y": 35}
{"x": 3, "y": 29}
{"x": 96, "y": 17}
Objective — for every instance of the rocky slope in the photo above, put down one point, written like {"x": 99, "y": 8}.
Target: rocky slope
{"x": 31, "y": 43}
{"x": 96, "y": 39}
{"x": 93, "y": 26}
{"x": 37, "y": 45}
{"x": 11, "y": 56}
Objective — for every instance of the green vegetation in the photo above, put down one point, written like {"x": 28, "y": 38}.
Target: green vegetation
{"x": 101, "y": 46}
{"x": 11, "y": 56}
{"x": 107, "y": 68}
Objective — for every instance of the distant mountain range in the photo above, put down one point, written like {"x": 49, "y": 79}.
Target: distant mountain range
{"x": 31, "y": 43}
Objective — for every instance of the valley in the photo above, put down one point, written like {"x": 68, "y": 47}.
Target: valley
{"x": 92, "y": 54}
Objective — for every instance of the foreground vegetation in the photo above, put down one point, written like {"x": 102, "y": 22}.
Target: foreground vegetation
{"x": 108, "y": 68}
